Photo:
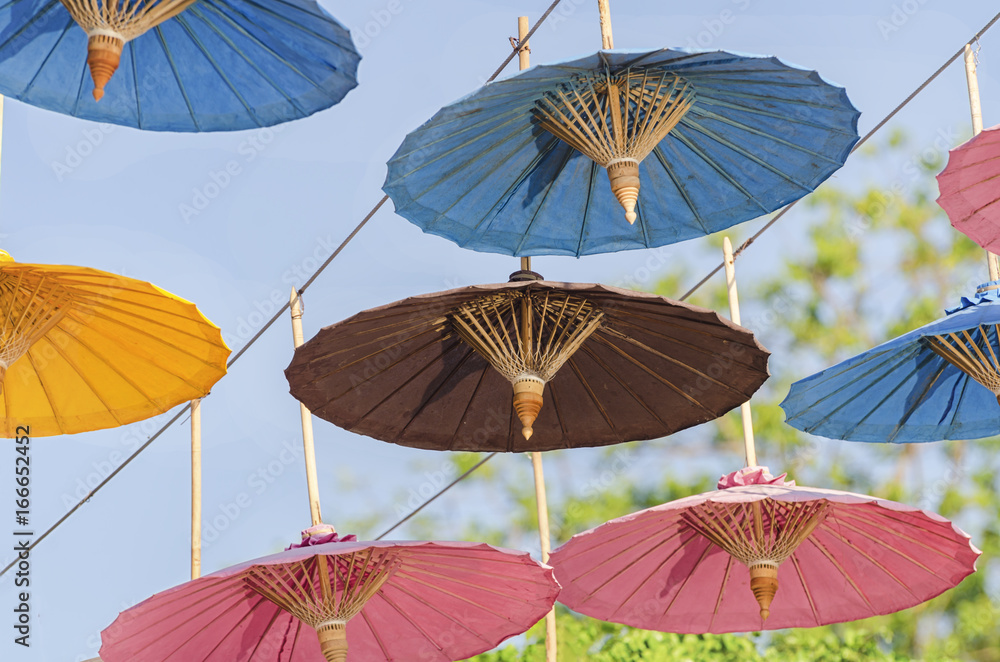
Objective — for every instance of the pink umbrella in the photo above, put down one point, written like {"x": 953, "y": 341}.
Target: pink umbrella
{"x": 431, "y": 601}
{"x": 970, "y": 189}
{"x": 697, "y": 564}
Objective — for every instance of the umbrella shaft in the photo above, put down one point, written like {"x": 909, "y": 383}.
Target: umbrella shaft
{"x": 607, "y": 40}
{"x": 976, "y": 108}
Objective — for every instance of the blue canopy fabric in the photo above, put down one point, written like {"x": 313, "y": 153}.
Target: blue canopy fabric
{"x": 220, "y": 65}
{"x": 485, "y": 175}
{"x": 902, "y": 391}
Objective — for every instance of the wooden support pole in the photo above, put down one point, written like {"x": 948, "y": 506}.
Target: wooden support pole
{"x": 196, "y": 489}
{"x": 1, "y": 127}
{"x": 524, "y": 60}
{"x": 607, "y": 39}
{"x": 976, "y": 108}
{"x": 541, "y": 501}
{"x": 312, "y": 483}
{"x": 734, "y": 314}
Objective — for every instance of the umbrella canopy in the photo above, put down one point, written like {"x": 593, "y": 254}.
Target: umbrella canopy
{"x": 969, "y": 192}
{"x": 761, "y": 553}
{"x": 212, "y": 65}
{"x": 433, "y": 601}
{"x": 715, "y": 138}
{"x": 940, "y": 381}
{"x": 435, "y": 371}
{"x": 82, "y": 349}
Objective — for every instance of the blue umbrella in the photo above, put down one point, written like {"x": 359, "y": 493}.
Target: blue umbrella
{"x": 744, "y": 135}
{"x": 938, "y": 382}
{"x": 217, "y": 65}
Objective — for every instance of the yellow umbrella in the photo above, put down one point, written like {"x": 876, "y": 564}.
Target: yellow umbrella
{"x": 83, "y": 349}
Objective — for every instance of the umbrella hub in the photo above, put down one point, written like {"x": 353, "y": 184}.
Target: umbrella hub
{"x": 333, "y": 640}
{"x": 528, "y": 400}
{"x": 527, "y": 336}
{"x": 617, "y": 120}
{"x": 31, "y": 305}
{"x": 111, "y": 23}
{"x": 326, "y": 590}
{"x": 974, "y": 352}
{"x": 760, "y": 534}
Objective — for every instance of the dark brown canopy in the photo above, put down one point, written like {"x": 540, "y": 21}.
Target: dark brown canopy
{"x": 400, "y": 373}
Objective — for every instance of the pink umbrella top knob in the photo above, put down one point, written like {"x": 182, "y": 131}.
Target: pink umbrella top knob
{"x": 753, "y": 476}
{"x": 320, "y": 535}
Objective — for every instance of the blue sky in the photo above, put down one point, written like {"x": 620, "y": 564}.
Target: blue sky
{"x": 76, "y": 193}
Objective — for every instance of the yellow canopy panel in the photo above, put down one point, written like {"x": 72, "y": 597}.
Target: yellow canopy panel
{"x": 83, "y": 349}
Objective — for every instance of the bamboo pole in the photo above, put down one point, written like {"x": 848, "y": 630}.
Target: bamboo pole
{"x": 734, "y": 314}
{"x": 1, "y": 127}
{"x": 312, "y": 483}
{"x": 976, "y": 108}
{"x": 541, "y": 500}
{"x": 607, "y": 39}
{"x": 524, "y": 60}
{"x": 196, "y": 488}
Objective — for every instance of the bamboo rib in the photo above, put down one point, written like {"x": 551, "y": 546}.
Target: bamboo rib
{"x": 325, "y": 592}
{"x": 109, "y": 24}
{"x": 761, "y": 535}
{"x": 30, "y": 308}
{"x": 617, "y": 119}
{"x": 527, "y": 337}
{"x": 962, "y": 351}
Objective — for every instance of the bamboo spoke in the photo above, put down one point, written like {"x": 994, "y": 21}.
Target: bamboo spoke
{"x": 315, "y": 593}
{"x": 965, "y": 352}
{"x": 33, "y": 306}
{"x": 761, "y": 535}
{"x": 109, "y": 24}
{"x": 527, "y": 337}
{"x": 617, "y": 119}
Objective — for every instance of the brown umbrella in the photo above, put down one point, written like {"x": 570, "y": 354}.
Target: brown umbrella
{"x": 612, "y": 365}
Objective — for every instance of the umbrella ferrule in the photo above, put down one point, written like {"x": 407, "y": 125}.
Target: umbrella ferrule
{"x": 333, "y": 640}
{"x": 101, "y": 31}
{"x": 763, "y": 563}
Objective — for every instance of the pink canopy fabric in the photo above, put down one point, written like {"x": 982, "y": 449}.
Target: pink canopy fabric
{"x": 866, "y": 557}
{"x": 970, "y": 193}
{"x": 443, "y": 601}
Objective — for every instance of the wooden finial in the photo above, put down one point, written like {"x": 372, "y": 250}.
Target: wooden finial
{"x": 111, "y": 23}
{"x": 764, "y": 584}
{"x": 104, "y": 53}
{"x": 528, "y": 402}
{"x": 333, "y": 640}
{"x": 624, "y": 176}
{"x": 617, "y": 120}
{"x": 527, "y": 336}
